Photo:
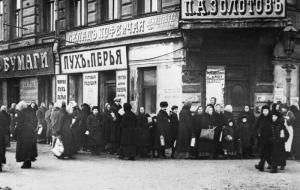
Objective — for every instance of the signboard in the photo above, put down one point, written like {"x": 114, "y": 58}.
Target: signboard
{"x": 146, "y": 25}
{"x": 121, "y": 87}
{"x": 29, "y": 89}
{"x": 90, "y": 88}
{"x": 27, "y": 63}
{"x": 279, "y": 95}
{"x": 94, "y": 60}
{"x": 263, "y": 97}
{"x": 62, "y": 88}
{"x": 215, "y": 83}
{"x": 232, "y": 9}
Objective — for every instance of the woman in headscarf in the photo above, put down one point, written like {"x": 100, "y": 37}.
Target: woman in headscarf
{"x": 75, "y": 126}
{"x": 26, "y": 151}
{"x": 128, "y": 137}
{"x": 206, "y": 147}
{"x": 108, "y": 118}
{"x": 198, "y": 119}
{"x": 143, "y": 133}
{"x": 185, "y": 131}
{"x": 95, "y": 131}
{"x": 264, "y": 133}
{"x": 86, "y": 111}
{"x": 278, "y": 138}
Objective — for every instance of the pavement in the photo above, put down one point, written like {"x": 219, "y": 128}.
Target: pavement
{"x": 89, "y": 172}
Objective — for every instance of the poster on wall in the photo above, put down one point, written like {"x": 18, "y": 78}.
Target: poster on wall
{"x": 62, "y": 88}
{"x": 90, "y": 88}
{"x": 121, "y": 85}
{"x": 215, "y": 83}
{"x": 29, "y": 89}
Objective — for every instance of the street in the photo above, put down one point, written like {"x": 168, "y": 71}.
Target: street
{"x": 105, "y": 172}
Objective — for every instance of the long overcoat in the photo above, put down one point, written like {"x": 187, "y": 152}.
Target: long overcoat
{"x": 4, "y": 131}
{"x": 143, "y": 131}
{"x": 128, "y": 136}
{"x": 185, "y": 130}
{"x": 95, "y": 128}
{"x": 162, "y": 129}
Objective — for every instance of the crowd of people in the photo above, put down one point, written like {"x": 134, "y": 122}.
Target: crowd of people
{"x": 210, "y": 132}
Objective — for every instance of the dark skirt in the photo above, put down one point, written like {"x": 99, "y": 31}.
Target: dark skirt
{"x": 128, "y": 151}
{"x": 206, "y": 146}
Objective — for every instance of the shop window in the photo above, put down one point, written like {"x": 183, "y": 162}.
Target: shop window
{"x": 112, "y": 9}
{"x": 15, "y": 22}
{"x": 149, "y": 89}
{"x": 1, "y": 21}
{"x": 49, "y": 16}
{"x": 149, "y": 6}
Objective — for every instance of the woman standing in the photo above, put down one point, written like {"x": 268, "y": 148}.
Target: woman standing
{"x": 128, "y": 138}
{"x": 95, "y": 131}
{"x": 198, "y": 119}
{"x": 264, "y": 133}
{"x": 185, "y": 131}
{"x": 26, "y": 151}
{"x": 143, "y": 132}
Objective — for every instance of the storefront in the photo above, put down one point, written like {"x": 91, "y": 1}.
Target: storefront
{"x": 230, "y": 59}
{"x": 94, "y": 76}
{"x": 27, "y": 74}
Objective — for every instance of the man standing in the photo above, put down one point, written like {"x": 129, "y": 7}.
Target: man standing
{"x": 162, "y": 133}
{"x": 115, "y": 131}
{"x": 174, "y": 124}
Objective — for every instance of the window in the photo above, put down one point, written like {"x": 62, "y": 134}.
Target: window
{"x": 148, "y": 6}
{"x": 18, "y": 18}
{"x": 80, "y": 12}
{"x": 149, "y": 85}
{"x": 1, "y": 21}
{"x": 113, "y": 9}
{"x": 49, "y": 16}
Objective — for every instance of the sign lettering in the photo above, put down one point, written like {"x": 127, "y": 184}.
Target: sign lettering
{"x": 62, "y": 88}
{"x": 220, "y": 9}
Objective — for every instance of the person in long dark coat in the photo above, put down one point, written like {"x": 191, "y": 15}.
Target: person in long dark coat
{"x": 143, "y": 133}
{"x": 75, "y": 127}
{"x": 116, "y": 130}
{"x": 220, "y": 123}
{"x": 245, "y": 136}
{"x": 12, "y": 126}
{"x": 174, "y": 125}
{"x": 296, "y": 139}
{"x": 6, "y": 122}
{"x": 264, "y": 133}
{"x": 128, "y": 136}
{"x": 197, "y": 125}
{"x": 48, "y": 122}
{"x": 162, "y": 131}
{"x": 4, "y": 132}
{"x": 278, "y": 139}
{"x": 107, "y": 124}
{"x": 26, "y": 150}
{"x": 40, "y": 114}
{"x": 206, "y": 147}
{"x": 86, "y": 111}
{"x": 95, "y": 131}
{"x": 185, "y": 131}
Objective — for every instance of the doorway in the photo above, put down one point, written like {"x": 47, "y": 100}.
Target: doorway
{"x": 237, "y": 87}
{"x": 109, "y": 86}
{"x": 13, "y": 91}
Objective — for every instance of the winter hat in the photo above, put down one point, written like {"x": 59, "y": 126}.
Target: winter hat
{"x": 174, "y": 107}
{"x": 95, "y": 107}
{"x": 163, "y": 104}
{"x": 127, "y": 107}
{"x": 265, "y": 107}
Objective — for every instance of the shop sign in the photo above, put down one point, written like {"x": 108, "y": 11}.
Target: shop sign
{"x": 29, "y": 89}
{"x": 121, "y": 85}
{"x": 90, "y": 89}
{"x": 62, "y": 88}
{"x": 215, "y": 83}
{"x": 94, "y": 60}
{"x": 146, "y": 25}
{"x": 27, "y": 63}
{"x": 232, "y": 9}
{"x": 264, "y": 97}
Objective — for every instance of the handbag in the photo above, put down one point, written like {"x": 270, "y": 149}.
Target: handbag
{"x": 40, "y": 130}
{"x": 208, "y": 133}
{"x": 58, "y": 148}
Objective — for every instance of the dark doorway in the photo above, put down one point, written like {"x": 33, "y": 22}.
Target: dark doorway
{"x": 237, "y": 87}
{"x": 13, "y": 91}
{"x": 110, "y": 86}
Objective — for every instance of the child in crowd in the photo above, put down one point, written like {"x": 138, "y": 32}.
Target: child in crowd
{"x": 228, "y": 139}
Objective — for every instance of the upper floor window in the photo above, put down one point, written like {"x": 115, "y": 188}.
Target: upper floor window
{"x": 80, "y": 12}
{"x": 1, "y": 21}
{"x": 148, "y": 6}
{"x": 49, "y": 16}
{"x": 17, "y": 12}
{"x": 112, "y": 9}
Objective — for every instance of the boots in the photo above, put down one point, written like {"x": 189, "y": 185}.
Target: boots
{"x": 261, "y": 165}
{"x": 26, "y": 164}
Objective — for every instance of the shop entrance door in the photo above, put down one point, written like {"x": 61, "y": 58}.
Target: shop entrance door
{"x": 110, "y": 92}
{"x": 13, "y": 91}
{"x": 237, "y": 87}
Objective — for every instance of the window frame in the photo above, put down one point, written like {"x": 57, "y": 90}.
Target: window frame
{"x": 141, "y": 7}
{"x": 116, "y": 11}
{"x": 81, "y": 10}
{"x": 48, "y": 16}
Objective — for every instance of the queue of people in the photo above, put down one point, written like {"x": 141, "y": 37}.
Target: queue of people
{"x": 210, "y": 132}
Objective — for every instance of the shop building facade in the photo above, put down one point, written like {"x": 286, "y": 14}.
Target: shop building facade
{"x": 147, "y": 51}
